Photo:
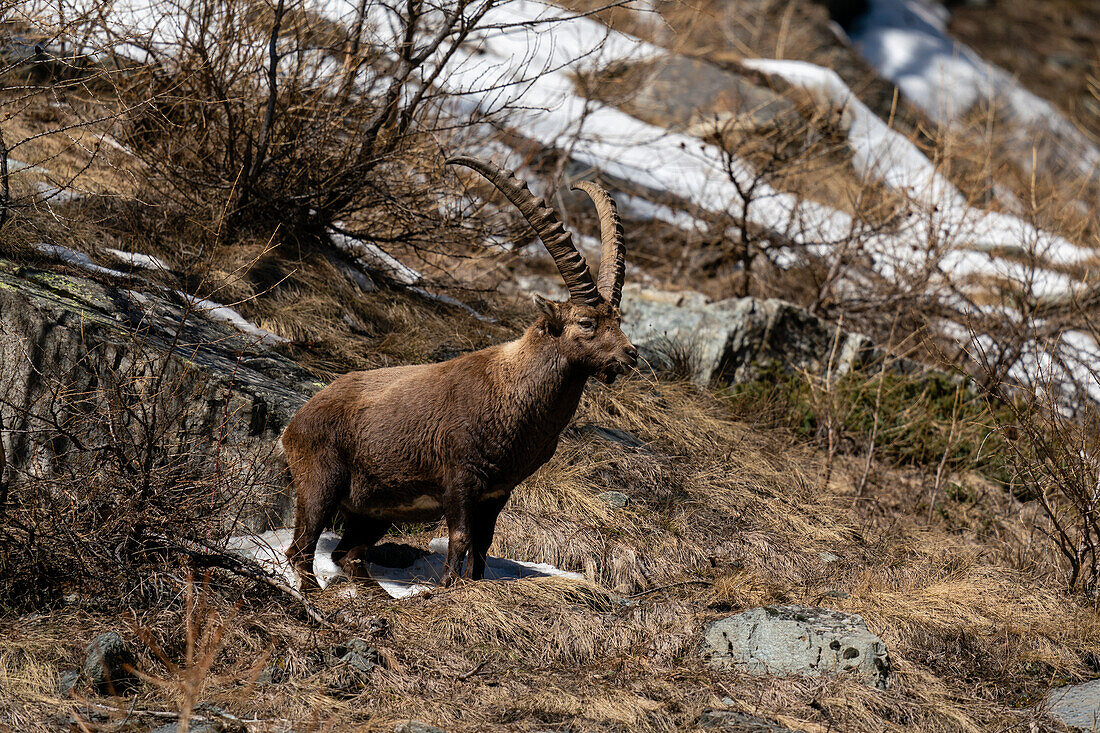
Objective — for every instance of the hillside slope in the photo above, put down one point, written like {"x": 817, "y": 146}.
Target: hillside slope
{"x": 755, "y": 149}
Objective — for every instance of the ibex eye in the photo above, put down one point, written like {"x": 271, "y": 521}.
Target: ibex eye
{"x": 587, "y": 325}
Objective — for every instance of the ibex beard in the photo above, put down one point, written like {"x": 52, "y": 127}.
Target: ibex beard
{"x": 416, "y": 443}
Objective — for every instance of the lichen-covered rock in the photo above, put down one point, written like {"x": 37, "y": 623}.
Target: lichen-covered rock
{"x": 1077, "y": 706}
{"x": 735, "y": 341}
{"x": 614, "y": 499}
{"x": 77, "y": 350}
{"x": 797, "y": 640}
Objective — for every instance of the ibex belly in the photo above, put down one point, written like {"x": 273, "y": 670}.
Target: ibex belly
{"x": 419, "y": 504}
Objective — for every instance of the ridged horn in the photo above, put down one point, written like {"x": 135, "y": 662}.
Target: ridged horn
{"x": 549, "y": 228}
{"x": 613, "y": 252}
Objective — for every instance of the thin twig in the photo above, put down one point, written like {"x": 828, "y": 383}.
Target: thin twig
{"x": 671, "y": 585}
{"x": 467, "y": 675}
{"x": 238, "y": 565}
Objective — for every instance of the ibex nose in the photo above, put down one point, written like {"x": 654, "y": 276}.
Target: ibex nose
{"x": 632, "y": 354}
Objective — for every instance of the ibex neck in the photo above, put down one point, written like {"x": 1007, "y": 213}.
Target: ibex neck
{"x": 544, "y": 388}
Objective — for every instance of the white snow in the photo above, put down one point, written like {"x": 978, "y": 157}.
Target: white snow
{"x": 225, "y": 314}
{"x": 76, "y": 259}
{"x": 138, "y": 260}
{"x": 641, "y": 208}
{"x": 215, "y": 311}
{"x": 907, "y": 41}
{"x": 269, "y": 550}
{"x": 373, "y": 257}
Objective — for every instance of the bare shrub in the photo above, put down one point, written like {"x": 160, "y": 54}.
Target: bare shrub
{"x": 258, "y": 115}
{"x": 115, "y": 447}
{"x": 1052, "y": 453}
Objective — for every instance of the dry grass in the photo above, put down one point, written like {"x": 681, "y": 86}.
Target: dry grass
{"x": 722, "y": 518}
{"x": 724, "y": 515}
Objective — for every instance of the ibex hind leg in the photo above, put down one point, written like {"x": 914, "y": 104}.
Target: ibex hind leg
{"x": 360, "y": 533}
{"x": 319, "y": 486}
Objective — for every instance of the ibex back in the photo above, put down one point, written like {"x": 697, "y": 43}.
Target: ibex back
{"x": 414, "y": 443}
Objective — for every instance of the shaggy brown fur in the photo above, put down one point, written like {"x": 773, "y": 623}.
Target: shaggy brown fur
{"x": 414, "y": 443}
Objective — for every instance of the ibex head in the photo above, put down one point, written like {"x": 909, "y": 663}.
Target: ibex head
{"x": 587, "y": 327}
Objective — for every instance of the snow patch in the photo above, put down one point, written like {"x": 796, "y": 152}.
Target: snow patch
{"x": 225, "y": 314}
{"x": 269, "y": 550}
{"x": 907, "y": 41}
{"x": 373, "y": 257}
{"x": 76, "y": 259}
{"x": 138, "y": 260}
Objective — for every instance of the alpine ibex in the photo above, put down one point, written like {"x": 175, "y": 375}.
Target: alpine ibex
{"x": 413, "y": 443}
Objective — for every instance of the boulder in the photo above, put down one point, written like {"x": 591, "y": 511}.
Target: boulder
{"x": 698, "y": 97}
{"x": 797, "y": 640}
{"x": 107, "y": 664}
{"x": 1076, "y": 706}
{"x": 736, "y": 340}
{"x": 73, "y": 348}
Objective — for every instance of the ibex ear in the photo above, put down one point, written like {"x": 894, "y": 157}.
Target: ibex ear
{"x": 551, "y": 310}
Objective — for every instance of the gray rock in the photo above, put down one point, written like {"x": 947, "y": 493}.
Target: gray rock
{"x": 347, "y": 667}
{"x": 614, "y": 499}
{"x": 194, "y": 726}
{"x": 737, "y": 340}
{"x": 68, "y": 681}
{"x": 698, "y": 97}
{"x": 86, "y": 334}
{"x": 1077, "y": 706}
{"x": 107, "y": 657}
{"x": 415, "y": 726}
{"x": 360, "y": 655}
{"x": 613, "y": 435}
{"x": 797, "y": 640}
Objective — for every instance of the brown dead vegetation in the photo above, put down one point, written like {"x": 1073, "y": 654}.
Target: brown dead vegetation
{"x": 729, "y": 507}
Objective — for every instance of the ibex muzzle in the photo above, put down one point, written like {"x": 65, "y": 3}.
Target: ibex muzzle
{"x": 453, "y": 439}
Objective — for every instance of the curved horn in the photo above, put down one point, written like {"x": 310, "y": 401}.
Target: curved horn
{"x": 613, "y": 253}
{"x": 549, "y": 228}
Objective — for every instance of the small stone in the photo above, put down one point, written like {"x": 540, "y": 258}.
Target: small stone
{"x": 105, "y": 666}
{"x": 360, "y": 655}
{"x": 415, "y": 726}
{"x": 797, "y": 640}
{"x": 614, "y": 435}
{"x": 614, "y": 499}
{"x": 828, "y": 557}
{"x": 68, "y": 681}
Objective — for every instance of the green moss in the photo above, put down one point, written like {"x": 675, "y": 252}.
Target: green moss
{"x": 921, "y": 419}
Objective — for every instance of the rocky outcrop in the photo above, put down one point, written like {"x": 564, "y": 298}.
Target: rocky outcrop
{"x": 81, "y": 357}
{"x": 736, "y": 340}
{"x": 697, "y": 97}
{"x": 797, "y": 640}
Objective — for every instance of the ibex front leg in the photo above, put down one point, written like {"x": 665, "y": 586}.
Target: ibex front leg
{"x": 484, "y": 524}
{"x": 458, "y": 506}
